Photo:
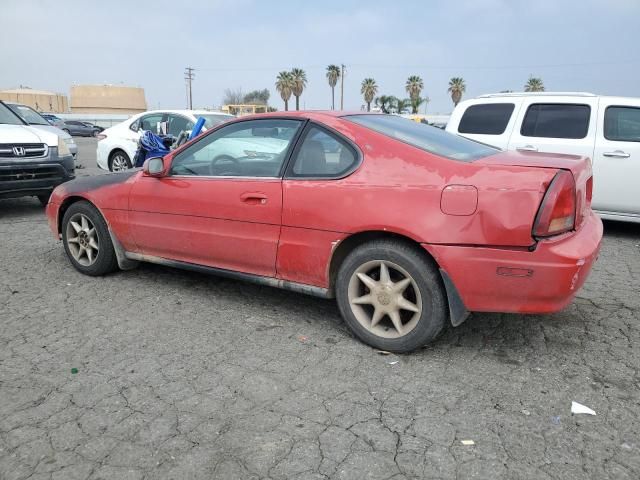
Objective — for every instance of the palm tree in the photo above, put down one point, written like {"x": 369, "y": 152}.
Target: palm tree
{"x": 534, "y": 84}
{"x": 416, "y": 102}
{"x": 299, "y": 82}
{"x": 401, "y": 105}
{"x": 333, "y": 74}
{"x": 456, "y": 88}
{"x": 284, "y": 85}
{"x": 385, "y": 102}
{"x": 369, "y": 90}
{"x": 414, "y": 87}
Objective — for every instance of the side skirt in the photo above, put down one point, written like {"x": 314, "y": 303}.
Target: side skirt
{"x": 247, "y": 277}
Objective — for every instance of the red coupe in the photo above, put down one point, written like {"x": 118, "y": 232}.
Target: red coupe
{"x": 407, "y": 226}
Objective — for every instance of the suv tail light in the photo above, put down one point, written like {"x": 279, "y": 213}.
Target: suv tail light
{"x": 557, "y": 212}
{"x": 101, "y": 136}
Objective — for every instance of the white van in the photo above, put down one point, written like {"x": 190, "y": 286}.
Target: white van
{"x": 606, "y": 129}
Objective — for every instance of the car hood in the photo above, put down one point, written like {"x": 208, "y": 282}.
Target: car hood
{"x": 51, "y": 129}
{"x": 26, "y": 134}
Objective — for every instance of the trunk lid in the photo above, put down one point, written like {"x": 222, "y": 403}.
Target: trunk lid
{"x": 579, "y": 166}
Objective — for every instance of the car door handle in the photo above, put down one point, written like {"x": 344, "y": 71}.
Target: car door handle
{"x": 617, "y": 154}
{"x": 527, "y": 148}
{"x": 253, "y": 198}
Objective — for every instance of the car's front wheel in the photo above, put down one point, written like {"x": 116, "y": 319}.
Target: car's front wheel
{"x": 119, "y": 161}
{"x": 391, "y": 296}
{"x": 86, "y": 240}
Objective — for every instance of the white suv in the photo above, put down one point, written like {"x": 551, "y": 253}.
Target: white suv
{"x": 606, "y": 129}
{"x": 117, "y": 145}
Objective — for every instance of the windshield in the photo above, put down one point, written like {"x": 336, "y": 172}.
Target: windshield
{"x": 211, "y": 121}
{"x": 425, "y": 137}
{"x": 7, "y": 117}
{"x": 29, "y": 115}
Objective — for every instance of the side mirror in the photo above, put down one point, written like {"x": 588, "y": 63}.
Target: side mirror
{"x": 154, "y": 167}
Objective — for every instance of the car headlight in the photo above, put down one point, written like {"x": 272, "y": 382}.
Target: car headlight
{"x": 63, "y": 149}
{"x": 69, "y": 141}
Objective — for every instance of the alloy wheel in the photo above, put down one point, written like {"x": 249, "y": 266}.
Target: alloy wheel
{"x": 82, "y": 240}
{"x": 385, "y": 299}
{"x": 119, "y": 163}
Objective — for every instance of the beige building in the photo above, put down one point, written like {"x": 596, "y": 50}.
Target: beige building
{"x": 107, "y": 99}
{"x": 40, "y": 100}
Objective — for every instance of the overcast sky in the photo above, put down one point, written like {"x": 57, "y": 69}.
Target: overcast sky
{"x": 494, "y": 45}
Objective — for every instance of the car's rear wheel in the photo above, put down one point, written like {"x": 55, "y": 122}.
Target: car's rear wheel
{"x": 119, "y": 161}
{"x": 391, "y": 296}
{"x": 86, "y": 240}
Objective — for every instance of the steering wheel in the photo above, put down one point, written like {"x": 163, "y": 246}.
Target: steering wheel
{"x": 222, "y": 159}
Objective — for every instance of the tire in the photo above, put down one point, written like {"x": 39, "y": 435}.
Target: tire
{"x": 95, "y": 133}
{"x": 119, "y": 161}
{"x": 104, "y": 259}
{"x": 66, "y": 131}
{"x": 44, "y": 199}
{"x": 412, "y": 292}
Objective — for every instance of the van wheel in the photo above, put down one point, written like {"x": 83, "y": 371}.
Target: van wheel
{"x": 86, "y": 240}
{"x": 391, "y": 296}
{"x": 119, "y": 161}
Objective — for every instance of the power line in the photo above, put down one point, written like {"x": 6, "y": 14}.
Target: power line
{"x": 438, "y": 67}
{"x": 189, "y": 75}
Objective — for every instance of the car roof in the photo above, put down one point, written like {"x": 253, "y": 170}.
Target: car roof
{"x": 186, "y": 112}
{"x": 538, "y": 94}
{"x": 310, "y": 114}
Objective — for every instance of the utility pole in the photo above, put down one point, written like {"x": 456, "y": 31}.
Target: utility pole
{"x": 189, "y": 76}
{"x": 342, "y": 87}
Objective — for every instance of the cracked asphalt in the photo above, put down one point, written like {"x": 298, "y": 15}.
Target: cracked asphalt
{"x": 185, "y": 376}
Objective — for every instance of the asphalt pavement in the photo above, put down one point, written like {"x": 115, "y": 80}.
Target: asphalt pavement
{"x": 158, "y": 373}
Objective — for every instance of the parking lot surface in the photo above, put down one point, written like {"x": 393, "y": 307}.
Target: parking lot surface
{"x": 160, "y": 373}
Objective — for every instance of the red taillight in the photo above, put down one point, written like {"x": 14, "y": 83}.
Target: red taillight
{"x": 101, "y": 136}
{"x": 557, "y": 212}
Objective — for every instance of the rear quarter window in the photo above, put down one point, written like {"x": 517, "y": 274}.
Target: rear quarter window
{"x": 556, "y": 120}
{"x": 486, "y": 119}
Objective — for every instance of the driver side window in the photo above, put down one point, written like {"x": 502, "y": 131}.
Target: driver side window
{"x": 256, "y": 148}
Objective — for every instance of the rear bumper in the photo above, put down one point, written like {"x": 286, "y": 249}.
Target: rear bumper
{"x": 513, "y": 280}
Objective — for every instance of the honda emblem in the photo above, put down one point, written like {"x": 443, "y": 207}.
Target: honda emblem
{"x": 18, "y": 151}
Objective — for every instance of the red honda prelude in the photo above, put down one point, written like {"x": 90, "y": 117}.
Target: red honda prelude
{"x": 410, "y": 228}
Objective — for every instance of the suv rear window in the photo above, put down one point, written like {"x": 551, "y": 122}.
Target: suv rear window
{"x": 486, "y": 119}
{"x": 428, "y": 138}
{"x": 556, "y": 120}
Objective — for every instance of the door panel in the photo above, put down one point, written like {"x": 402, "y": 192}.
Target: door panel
{"x": 218, "y": 206}
{"x": 616, "y": 159}
{"x": 225, "y": 223}
{"x": 540, "y": 120}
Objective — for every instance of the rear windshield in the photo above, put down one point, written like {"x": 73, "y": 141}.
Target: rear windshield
{"x": 425, "y": 137}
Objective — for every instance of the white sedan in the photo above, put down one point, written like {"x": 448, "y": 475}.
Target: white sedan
{"x": 117, "y": 145}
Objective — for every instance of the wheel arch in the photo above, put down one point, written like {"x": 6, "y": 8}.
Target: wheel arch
{"x": 64, "y": 206}
{"x": 123, "y": 262}
{"x": 115, "y": 150}
{"x": 457, "y": 311}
